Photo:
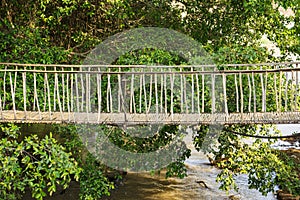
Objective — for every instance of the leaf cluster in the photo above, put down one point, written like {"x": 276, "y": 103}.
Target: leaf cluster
{"x": 40, "y": 165}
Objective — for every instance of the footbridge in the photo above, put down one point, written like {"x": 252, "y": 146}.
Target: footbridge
{"x": 140, "y": 94}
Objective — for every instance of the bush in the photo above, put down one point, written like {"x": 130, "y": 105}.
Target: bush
{"x": 38, "y": 164}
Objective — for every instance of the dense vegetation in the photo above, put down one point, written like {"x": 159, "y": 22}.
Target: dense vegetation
{"x": 65, "y": 31}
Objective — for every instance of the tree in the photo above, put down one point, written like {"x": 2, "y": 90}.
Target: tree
{"x": 65, "y": 31}
{"x": 41, "y": 165}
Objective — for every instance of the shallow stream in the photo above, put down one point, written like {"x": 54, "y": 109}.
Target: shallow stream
{"x": 146, "y": 187}
{"x": 143, "y": 186}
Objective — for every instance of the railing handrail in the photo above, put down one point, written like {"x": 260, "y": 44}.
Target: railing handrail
{"x": 149, "y": 66}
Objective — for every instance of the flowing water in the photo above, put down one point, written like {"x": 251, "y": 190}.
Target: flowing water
{"x": 143, "y": 186}
{"x": 147, "y": 187}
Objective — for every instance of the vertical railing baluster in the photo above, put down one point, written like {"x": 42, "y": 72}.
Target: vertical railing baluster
{"x": 15, "y": 86}
{"x": 35, "y": 95}
{"x": 193, "y": 92}
{"x": 263, "y": 95}
{"x": 145, "y": 91}
{"x": 119, "y": 98}
{"x": 150, "y": 92}
{"x": 34, "y": 86}
{"x": 156, "y": 94}
{"x": 181, "y": 91}
{"x": 72, "y": 90}
{"x": 45, "y": 90}
{"x": 63, "y": 89}
{"x": 276, "y": 91}
{"x": 58, "y": 94}
{"x": 4, "y": 87}
{"x": 237, "y": 93}
{"x": 12, "y": 88}
{"x": 141, "y": 93}
{"x": 241, "y": 92}
{"x": 24, "y": 93}
{"x": 280, "y": 85}
{"x": 68, "y": 95}
{"x": 77, "y": 92}
{"x": 48, "y": 93}
{"x": 81, "y": 99}
{"x": 161, "y": 91}
{"x": 213, "y": 98}
{"x": 185, "y": 94}
{"x": 198, "y": 93}
{"x": 172, "y": 94}
{"x": 266, "y": 90}
{"x": 254, "y": 92}
{"x": 250, "y": 91}
{"x": 203, "y": 92}
{"x": 293, "y": 92}
{"x": 54, "y": 91}
{"x": 108, "y": 95}
{"x": 1, "y": 109}
{"x": 296, "y": 92}
{"x": 132, "y": 97}
{"x": 99, "y": 92}
{"x": 225, "y": 94}
{"x": 165, "y": 92}
{"x": 87, "y": 93}
{"x": 286, "y": 92}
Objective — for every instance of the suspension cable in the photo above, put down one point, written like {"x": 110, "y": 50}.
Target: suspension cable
{"x": 295, "y": 135}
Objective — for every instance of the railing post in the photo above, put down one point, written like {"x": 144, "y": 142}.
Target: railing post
{"x": 254, "y": 92}
{"x": 13, "y": 90}
{"x": 236, "y": 93}
{"x": 202, "y": 92}
{"x": 280, "y": 84}
{"x": 35, "y": 94}
{"x": 213, "y": 98}
{"x": 99, "y": 91}
{"x": 225, "y": 94}
{"x": 242, "y": 93}
{"x": 263, "y": 92}
{"x": 24, "y": 92}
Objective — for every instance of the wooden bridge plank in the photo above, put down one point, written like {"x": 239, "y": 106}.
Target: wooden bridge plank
{"x": 141, "y": 118}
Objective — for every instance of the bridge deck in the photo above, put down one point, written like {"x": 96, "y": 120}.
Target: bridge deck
{"x": 140, "y": 118}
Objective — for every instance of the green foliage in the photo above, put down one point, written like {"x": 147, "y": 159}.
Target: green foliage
{"x": 288, "y": 179}
{"x": 150, "y": 57}
{"x": 79, "y": 25}
{"x": 27, "y": 45}
{"x": 93, "y": 182}
{"x": 263, "y": 165}
{"x": 178, "y": 169}
{"x": 239, "y": 54}
{"x": 46, "y": 31}
{"x": 236, "y": 155}
{"x": 40, "y": 165}
{"x": 156, "y": 142}
{"x": 93, "y": 179}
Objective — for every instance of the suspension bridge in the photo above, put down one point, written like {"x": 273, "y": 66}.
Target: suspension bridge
{"x": 140, "y": 94}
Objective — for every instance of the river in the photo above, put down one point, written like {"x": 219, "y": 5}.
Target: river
{"x": 146, "y": 187}
{"x": 143, "y": 186}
